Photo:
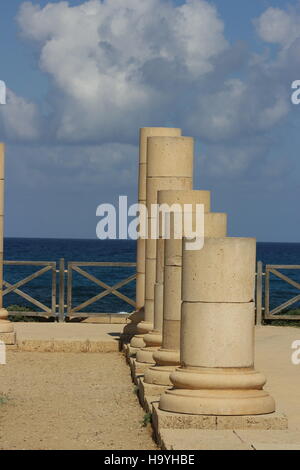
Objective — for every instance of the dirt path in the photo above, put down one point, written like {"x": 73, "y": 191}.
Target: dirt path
{"x": 70, "y": 401}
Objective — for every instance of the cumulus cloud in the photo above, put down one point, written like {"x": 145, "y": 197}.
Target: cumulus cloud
{"x": 100, "y": 55}
{"x": 279, "y": 26}
{"x": 19, "y": 119}
{"x": 121, "y": 64}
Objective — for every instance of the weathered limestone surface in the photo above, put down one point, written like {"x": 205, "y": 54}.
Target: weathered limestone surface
{"x": 166, "y": 420}
{"x": 148, "y": 394}
{"x": 138, "y": 316}
{"x": 169, "y": 166}
{"x": 217, "y": 375}
{"x": 142, "y": 197}
{"x": 177, "y": 200}
{"x": 168, "y": 357}
{"x": 197, "y": 439}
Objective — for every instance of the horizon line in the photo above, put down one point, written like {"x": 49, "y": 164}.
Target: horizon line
{"x": 116, "y": 240}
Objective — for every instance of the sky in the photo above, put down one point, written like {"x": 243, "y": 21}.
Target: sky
{"x": 83, "y": 76}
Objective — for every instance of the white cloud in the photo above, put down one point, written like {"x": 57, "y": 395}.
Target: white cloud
{"x": 96, "y": 54}
{"x": 279, "y": 26}
{"x": 19, "y": 119}
{"x": 121, "y": 64}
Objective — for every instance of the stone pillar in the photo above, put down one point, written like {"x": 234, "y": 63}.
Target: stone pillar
{"x": 169, "y": 166}
{"x": 138, "y": 315}
{"x": 7, "y": 334}
{"x": 217, "y": 375}
{"x": 177, "y": 199}
{"x": 167, "y": 359}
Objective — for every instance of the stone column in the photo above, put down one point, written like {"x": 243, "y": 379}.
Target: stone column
{"x": 7, "y": 334}
{"x": 169, "y": 166}
{"x": 217, "y": 375}
{"x": 167, "y": 359}
{"x": 177, "y": 200}
{"x": 138, "y": 315}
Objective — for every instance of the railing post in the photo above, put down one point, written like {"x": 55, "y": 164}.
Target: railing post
{"x": 259, "y": 281}
{"x": 61, "y": 290}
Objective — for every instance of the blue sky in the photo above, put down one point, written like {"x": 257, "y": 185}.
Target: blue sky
{"x": 237, "y": 16}
{"x": 82, "y": 80}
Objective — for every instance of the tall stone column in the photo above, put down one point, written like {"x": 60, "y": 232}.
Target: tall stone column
{"x": 217, "y": 375}
{"x": 169, "y": 166}
{"x": 7, "y": 334}
{"x": 167, "y": 359}
{"x": 138, "y": 315}
{"x": 176, "y": 200}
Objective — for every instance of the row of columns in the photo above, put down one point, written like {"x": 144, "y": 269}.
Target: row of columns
{"x": 169, "y": 165}
{"x": 196, "y": 338}
{"x": 7, "y": 334}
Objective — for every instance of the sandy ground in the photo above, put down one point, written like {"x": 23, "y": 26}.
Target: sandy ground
{"x": 70, "y": 401}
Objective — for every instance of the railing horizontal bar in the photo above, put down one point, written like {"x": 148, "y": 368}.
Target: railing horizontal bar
{"x": 32, "y": 314}
{"x": 282, "y": 317}
{"x": 31, "y": 263}
{"x": 282, "y": 266}
{"x": 121, "y": 265}
{"x": 97, "y": 314}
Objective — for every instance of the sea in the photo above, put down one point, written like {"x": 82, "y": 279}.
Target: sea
{"x": 79, "y": 250}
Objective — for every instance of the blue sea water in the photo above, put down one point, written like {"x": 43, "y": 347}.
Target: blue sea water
{"x": 115, "y": 251}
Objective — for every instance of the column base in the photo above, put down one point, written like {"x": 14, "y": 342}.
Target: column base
{"x": 217, "y": 402}
{"x": 159, "y": 375}
{"x": 167, "y": 357}
{"x": 217, "y": 392}
{"x": 145, "y": 356}
{"x": 148, "y": 394}
{"x": 166, "y": 420}
{"x": 137, "y": 342}
{"x": 167, "y": 361}
{"x": 153, "y": 339}
{"x": 144, "y": 327}
{"x": 137, "y": 369}
{"x": 130, "y": 351}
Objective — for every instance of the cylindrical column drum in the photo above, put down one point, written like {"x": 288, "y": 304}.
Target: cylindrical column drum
{"x": 217, "y": 376}
{"x": 177, "y": 212}
{"x": 169, "y": 166}
{"x": 138, "y": 315}
{"x": 168, "y": 357}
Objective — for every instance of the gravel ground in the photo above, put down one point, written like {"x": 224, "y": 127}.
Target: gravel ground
{"x": 70, "y": 401}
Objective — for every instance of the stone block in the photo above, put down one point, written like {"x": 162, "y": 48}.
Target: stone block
{"x": 150, "y": 391}
{"x": 197, "y": 439}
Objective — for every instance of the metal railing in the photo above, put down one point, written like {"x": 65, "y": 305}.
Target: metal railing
{"x": 59, "y": 275}
{"x": 61, "y": 310}
{"x": 15, "y": 288}
{"x": 263, "y": 291}
{"x": 114, "y": 290}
